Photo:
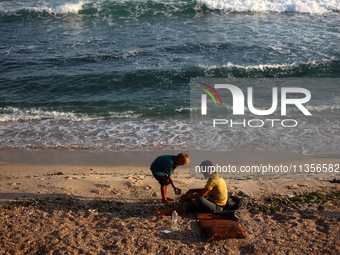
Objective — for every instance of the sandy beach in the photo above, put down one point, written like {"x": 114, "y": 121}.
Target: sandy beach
{"x": 110, "y": 209}
{"x": 91, "y": 92}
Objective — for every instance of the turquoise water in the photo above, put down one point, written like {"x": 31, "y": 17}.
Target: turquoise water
{"x": 114, "y": 75}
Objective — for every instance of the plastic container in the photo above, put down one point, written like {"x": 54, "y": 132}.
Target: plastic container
{"x": 174, "y": 225}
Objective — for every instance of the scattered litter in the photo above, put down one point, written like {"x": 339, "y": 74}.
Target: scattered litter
{"x": 70, "y": 178}
{"x": 165, "y": 231}
{"x": 56, "y": 173}
{"x": 290, "y": 196}
{"x": 14, "y": 183}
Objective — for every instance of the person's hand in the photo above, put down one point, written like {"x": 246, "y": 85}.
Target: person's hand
{"x": 178, "y": 191}
{"x": 184, "y": 197}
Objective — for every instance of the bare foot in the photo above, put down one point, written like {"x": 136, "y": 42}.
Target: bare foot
{"x": 166, "y": 201}
{"x": 170, "y": 199}
{"x": 159, "y": 212}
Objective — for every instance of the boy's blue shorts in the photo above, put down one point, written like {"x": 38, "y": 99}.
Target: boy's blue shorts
{"x": 163, "y": 180}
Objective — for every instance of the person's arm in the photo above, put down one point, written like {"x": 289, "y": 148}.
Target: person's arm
{"x": 172, "y": 184}
{"x": 201, "y": 193}
{"x": 194, "y": 190}
{"x": 198, "y": 193}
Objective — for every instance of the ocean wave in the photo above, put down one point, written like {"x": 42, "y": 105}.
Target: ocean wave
{"x": 13, "y": 114}
{"x": 112, "y": 135}
{"x": 265, "y": 67}
{"x": 315, "y": 136}
{"x": 313, "y": 68}
{"x": 89, "y": 7}
{"x": 324, "y": 108}
{"x": 279, "y": 6}
{"x": 159, "y": 7}
{"x": 37, "y": 6}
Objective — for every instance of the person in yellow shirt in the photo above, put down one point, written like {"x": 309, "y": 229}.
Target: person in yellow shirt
{"x": 215, "y": 188}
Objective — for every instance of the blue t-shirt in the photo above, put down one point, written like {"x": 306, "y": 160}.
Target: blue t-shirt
{"x": 162, "y": 165}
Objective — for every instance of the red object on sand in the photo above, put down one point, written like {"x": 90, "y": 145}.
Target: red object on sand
{"x": 215, "y": 227}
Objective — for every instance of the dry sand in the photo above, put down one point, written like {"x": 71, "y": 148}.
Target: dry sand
{"x": 93, "y": 209}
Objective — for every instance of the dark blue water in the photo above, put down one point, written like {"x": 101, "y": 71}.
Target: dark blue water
{"x": 115, "y": 75}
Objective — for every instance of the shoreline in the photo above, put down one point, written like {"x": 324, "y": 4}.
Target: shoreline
{"x": 81, "y": 157}
{"x": 126, "y": 175}
{"x": 144, "y": 157}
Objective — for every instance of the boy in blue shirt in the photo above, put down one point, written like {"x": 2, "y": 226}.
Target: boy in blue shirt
{"x": 163, "y": 167}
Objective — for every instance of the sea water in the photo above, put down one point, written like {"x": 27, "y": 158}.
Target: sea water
{"x": 114, "y": 75}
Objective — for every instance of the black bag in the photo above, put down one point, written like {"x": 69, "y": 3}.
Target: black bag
{"x": 235, "y": 208}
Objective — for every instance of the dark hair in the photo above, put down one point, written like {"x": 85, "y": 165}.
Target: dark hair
{"x": 206, "y": 163}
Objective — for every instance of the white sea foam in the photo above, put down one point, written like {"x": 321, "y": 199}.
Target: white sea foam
{"x": 57, "y": 130}
{"x": 47, "y": 6}
{"x": 183, "y": 109}
{"x": 63, "y": 8}
{"x": 279, "y": 6}
{"x": 299, "y": 6}
{"x": 70, "y": 8}
{"x": 126, "y": 114}
{"x": 12, "y": 114}
{"x": 323, "y": 108}
{"x": 101, "y": 134}
{"x": 308, "y": 137}
{"x": 263, "y": 67}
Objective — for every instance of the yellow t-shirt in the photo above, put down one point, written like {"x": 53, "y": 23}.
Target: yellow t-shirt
{"x": 218, "y": 192}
